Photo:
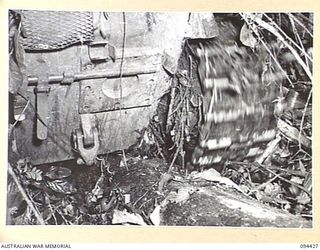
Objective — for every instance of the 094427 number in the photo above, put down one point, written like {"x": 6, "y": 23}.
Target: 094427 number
{"x": 307, "y": 246}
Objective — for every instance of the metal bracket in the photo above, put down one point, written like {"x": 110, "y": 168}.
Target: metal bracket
{"x": 87, "y": 140}
{"x": 42, "y": 93}
{"x": 101, "y": 50}
{"x": 68, "y": 78}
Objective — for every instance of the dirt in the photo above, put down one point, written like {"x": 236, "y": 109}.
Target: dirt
{"x": 209, "y": 204}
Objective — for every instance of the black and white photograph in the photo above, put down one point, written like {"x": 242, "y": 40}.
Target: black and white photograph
{"x": 160, "y": 118}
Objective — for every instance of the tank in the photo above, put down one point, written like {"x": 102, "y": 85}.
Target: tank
{"x": 85, "y": 83}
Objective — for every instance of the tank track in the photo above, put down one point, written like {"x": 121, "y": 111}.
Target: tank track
{"x": 239, "y": 93}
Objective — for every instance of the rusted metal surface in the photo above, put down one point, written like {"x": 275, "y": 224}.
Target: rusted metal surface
{"x": 112, "y": 94}
{"x": 117, "y": 130}
{"x": 128, "y": 92}
{"x": 63, "y": 119}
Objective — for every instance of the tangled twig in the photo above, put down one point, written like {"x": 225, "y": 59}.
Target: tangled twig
{"x": 286, "y": 180}
{"x": 275, "y": 32}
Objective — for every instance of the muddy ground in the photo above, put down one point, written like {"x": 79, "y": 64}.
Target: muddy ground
{"x": 141, "y": 192}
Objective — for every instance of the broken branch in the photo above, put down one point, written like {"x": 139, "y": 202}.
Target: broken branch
{"x": 24, "y": 195}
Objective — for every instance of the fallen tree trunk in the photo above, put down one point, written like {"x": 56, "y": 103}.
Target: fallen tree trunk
{"x": 187, "y": 202}
{"x": 215, "y": 206}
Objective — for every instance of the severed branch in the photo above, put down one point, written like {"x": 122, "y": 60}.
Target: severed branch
{"x": 24, "y": 195}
